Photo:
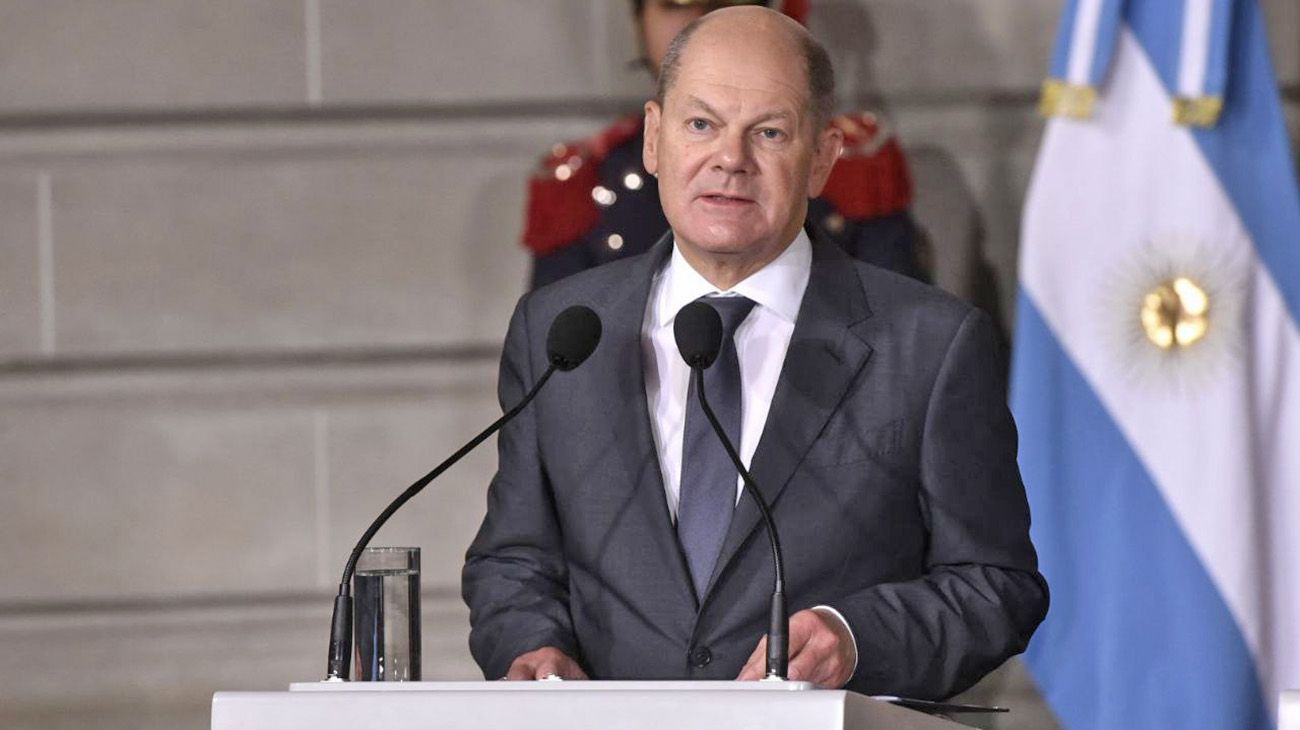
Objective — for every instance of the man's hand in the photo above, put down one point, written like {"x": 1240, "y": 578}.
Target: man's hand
{"x": 544, "y": 662}
{"x": 821, "y": 651}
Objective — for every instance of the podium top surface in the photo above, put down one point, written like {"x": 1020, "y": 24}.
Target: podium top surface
{"x": 554, "y": 686}
{"x": 1288, "y": 710}
{"x": 558, "y": 705}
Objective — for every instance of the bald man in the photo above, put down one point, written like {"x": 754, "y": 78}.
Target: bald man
{"x": 868, "y": 407}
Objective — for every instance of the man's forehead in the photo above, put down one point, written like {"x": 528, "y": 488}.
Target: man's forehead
{"x": 720, "y": 84}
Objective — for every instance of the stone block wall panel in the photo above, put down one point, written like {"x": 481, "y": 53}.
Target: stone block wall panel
{"x": 202, "y": 481}
{"x": 156, "y": 667}
{"x": 906, "y": 49}
{"x": 1283, "y": 18}
{"x": 140, "y": 55}
{"x": 249, "y": 253}
{"x": 376, "y": 452}
{"x": 20, "y": 288}
{"x": 419, "y": 52}
{"x": 978, "y": 155}
{"x": 58, "y": 55}
{"x": 113, "y": 501}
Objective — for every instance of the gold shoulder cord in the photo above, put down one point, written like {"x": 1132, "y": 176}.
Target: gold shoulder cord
{"x": 1062, "y": 99}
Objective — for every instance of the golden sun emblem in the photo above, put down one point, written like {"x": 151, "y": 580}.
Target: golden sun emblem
{"x": 1176, "y": 314}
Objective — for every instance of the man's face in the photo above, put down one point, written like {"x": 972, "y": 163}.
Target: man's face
{"x": 735, "y": 149}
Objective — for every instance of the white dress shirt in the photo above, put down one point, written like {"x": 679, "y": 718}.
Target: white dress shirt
{"x": 761, "y": 342}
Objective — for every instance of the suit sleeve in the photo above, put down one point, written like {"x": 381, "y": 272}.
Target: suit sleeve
{"x": 514, "y": 580}
{"x": 981, "y": 596}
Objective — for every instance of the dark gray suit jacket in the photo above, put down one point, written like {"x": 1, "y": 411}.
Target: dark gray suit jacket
{"x": 889, "y": 457}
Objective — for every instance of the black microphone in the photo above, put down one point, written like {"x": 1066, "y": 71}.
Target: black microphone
{"x": 572, "y": 338}
{"x": 698, "y": 331}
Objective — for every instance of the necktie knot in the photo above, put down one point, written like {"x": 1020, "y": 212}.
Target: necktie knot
{"x": 732, "y": 310}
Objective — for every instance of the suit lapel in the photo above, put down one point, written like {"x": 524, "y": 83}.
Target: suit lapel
{"x": 622, "y": 391}
{"x": 824, "y": 358}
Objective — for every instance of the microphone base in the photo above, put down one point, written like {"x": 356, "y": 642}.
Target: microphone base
{"x": 778, "y": 637}
{"x": 340, "y": 654}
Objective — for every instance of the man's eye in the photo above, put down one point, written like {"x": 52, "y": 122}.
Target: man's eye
{"x": 772, "y": 134}
{"x": 697, "y": 124}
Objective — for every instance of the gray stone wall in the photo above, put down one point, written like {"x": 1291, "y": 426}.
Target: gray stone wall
{"x": 256, "y": 259}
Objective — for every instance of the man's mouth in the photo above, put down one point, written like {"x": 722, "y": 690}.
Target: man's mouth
{"x": 724, "y": 199}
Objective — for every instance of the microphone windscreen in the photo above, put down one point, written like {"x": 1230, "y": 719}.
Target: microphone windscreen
{"x": 573, "y": 337}
{"x": 698, "y": 330}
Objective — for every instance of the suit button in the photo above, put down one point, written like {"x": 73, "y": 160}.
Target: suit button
{"x": 699, "y": 657}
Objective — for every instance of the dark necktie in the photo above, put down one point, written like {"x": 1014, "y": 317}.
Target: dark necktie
{"x": 708, "y": 484}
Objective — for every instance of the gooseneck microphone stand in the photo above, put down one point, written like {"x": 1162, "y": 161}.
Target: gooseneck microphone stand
{"x": 341, "y": 624}
{"x": 572, "y": 338}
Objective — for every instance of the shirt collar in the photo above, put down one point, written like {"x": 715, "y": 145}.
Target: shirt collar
{"x": 779, "y": 286}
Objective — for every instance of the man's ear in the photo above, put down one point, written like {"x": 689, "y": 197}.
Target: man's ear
{"x": 650, "y": 150}
{"x": 830, "y": 142}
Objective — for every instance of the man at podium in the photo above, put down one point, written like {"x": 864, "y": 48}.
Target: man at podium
{"x": 869, "y": 408}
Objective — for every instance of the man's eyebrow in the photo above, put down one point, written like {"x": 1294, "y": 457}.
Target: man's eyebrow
{"x": 777, "y": 115}
{"x": 695, "y": 101}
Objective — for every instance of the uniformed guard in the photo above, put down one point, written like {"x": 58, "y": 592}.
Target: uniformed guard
{"x": 592, "y": 201}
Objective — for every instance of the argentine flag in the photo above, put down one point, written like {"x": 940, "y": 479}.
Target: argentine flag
{"x": 1156, "y": 379}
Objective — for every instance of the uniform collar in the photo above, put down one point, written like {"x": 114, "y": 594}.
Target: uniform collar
{"x": 778, "y": 287}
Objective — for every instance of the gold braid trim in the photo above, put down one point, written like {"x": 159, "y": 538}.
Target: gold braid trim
{"x": 1062, "y": 99}
{"x": 1201, "y": 111}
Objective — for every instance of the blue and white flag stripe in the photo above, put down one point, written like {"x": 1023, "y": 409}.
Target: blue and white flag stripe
{"x": 1086, "y": 41}
{"x": 1119, "y": 649}
{"x": 1206, "y": 30}
{"x": 1165, "y": 483}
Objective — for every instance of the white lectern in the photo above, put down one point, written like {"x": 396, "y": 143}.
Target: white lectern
{"x": 1288, "y": 710}
{"x": 561, "y": 706}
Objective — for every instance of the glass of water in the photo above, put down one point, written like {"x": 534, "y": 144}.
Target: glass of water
{"x": 386, "y": 614}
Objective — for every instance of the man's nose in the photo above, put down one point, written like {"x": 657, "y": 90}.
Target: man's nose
{"x": 734, "y": 154}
